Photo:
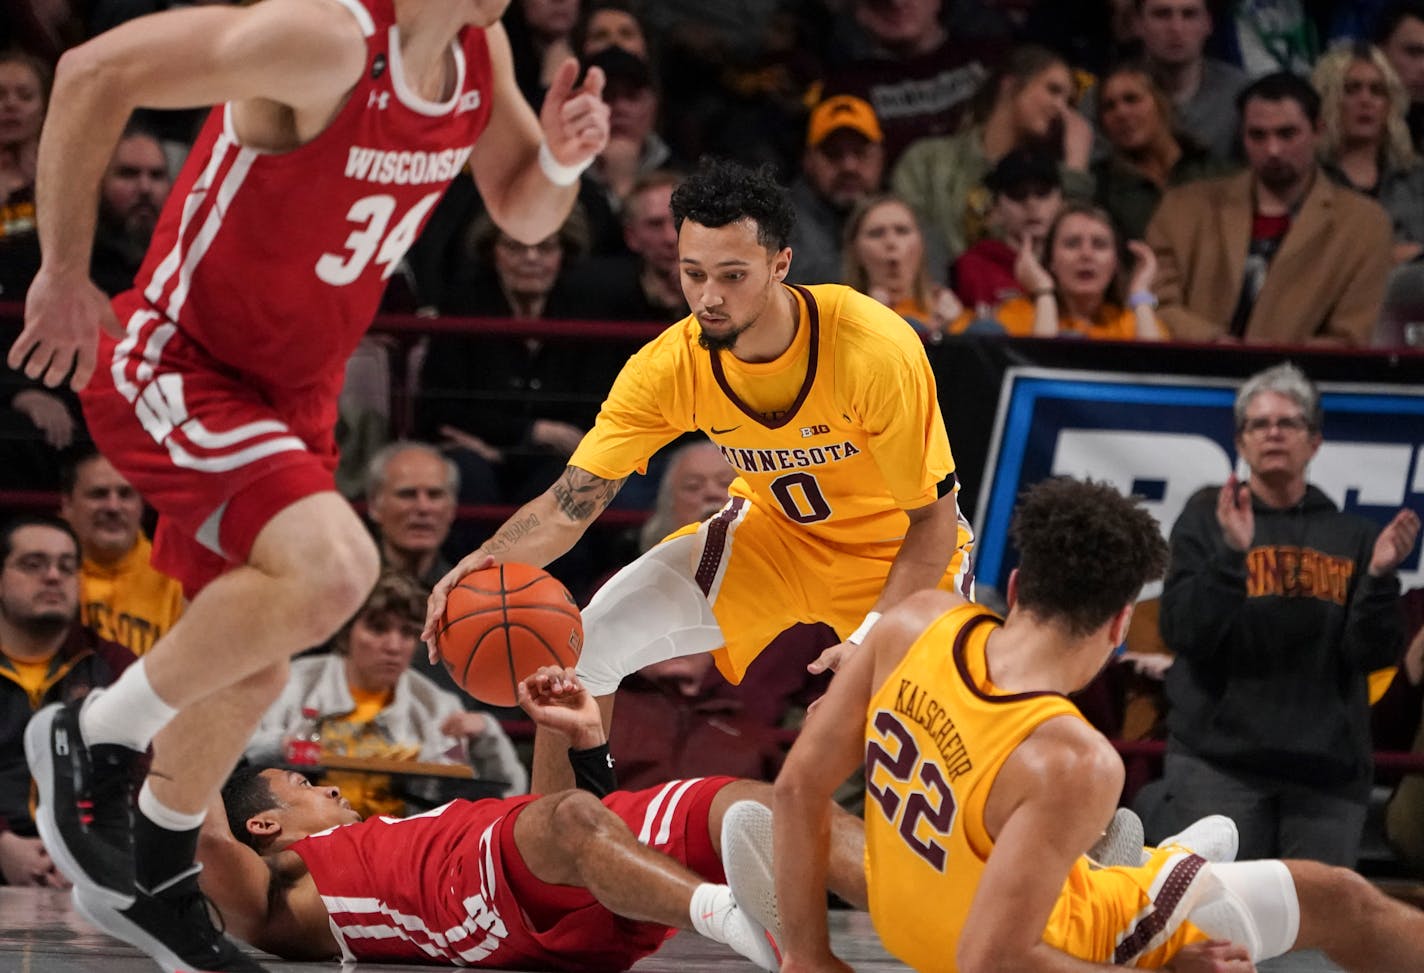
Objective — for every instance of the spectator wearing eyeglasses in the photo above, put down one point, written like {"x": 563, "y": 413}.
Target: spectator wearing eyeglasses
{"x": 1277, "y": 607}
{"x": 46, "y": 656}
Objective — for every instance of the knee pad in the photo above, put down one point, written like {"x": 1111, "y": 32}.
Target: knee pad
{"x": 650, "y": 611}
{"x": 1253, "y": 904}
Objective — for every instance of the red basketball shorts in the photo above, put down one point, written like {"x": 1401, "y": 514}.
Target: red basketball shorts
{"x": 215, "y": 453}
{"x": 566, "y": 927}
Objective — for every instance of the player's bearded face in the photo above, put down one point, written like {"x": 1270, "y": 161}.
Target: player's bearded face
{"x": 724, "y": 338}
{"x": 728, "y": 278}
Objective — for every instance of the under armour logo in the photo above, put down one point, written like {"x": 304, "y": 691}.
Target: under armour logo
{"x": 378, "y": 100}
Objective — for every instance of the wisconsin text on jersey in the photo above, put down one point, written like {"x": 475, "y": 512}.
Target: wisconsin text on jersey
{"x": 405, "y": 168}
{"x": 913, "y": 701}
{"x": 771, "y": 460}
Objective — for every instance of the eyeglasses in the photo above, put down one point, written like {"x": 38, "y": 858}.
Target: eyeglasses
{"x": 1287, "y": 424}
{"x": 36, "y": 565}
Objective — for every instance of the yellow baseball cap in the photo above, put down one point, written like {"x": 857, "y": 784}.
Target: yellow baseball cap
{"x": 843, "y": 111}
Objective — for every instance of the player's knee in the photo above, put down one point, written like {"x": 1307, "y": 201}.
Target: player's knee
{"x": 579, "y": 818}
{"x": 335, "y": 583}
{"x": 1351, "y": 902}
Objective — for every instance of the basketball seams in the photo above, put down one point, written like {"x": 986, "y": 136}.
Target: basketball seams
{"x": 536, "y": 618}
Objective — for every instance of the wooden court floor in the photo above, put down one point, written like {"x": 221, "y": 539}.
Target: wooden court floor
{"x": 40, "y": 933}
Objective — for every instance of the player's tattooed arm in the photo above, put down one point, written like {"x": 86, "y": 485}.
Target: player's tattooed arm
{"x": 518, "y": 526}
{"x": 582, "y": 496}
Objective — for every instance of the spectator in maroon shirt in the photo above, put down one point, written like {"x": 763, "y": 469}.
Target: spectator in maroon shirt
{"x": 1027, "y": 195}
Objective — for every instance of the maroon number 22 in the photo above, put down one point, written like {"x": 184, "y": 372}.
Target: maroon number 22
{"x": 939, "y": 815}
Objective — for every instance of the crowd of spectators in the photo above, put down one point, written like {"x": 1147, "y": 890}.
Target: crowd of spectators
{"x": 1132, "y": 170}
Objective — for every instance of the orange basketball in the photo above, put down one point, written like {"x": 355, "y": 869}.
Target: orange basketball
{"x": 503, "y": 623}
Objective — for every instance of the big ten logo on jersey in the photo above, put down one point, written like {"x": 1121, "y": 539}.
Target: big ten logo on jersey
{"x": 1165, "y": 439}
{"x": 911, "y": 788}
{"x": 808, "y": 431}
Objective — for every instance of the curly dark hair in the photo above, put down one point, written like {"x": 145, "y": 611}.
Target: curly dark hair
{"x": 245, "y": 795}
{"x": 1085, "y": 551}
{"x": 722, "y": 192}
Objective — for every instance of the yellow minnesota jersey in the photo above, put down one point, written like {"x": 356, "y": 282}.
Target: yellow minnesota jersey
{"x": 937, "y": 733}
{"x": 130, "y": 602}
{"x": 837, "y": 437}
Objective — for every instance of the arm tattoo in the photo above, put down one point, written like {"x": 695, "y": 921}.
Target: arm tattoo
{"x": 583, "y": 496}
{"x": 510, "y": 534}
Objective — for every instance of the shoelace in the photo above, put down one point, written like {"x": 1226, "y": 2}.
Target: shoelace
{"x": 185, "y": 896}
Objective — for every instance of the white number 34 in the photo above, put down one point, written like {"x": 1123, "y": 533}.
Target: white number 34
{"x": 372, "y": 216}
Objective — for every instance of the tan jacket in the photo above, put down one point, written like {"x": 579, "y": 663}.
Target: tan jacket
{"x": 1327, "y": 279}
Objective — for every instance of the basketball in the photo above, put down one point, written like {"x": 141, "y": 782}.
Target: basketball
{"x": 501, "y": 624}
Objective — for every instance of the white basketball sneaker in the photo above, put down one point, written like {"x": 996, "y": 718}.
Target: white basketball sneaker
{"x": 1121, "y": 843}
{"x": 746, "y": 858}
{"x": 1214, "y": 838}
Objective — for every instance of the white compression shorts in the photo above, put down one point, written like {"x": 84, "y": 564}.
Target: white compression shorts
{"x": 1253, "y": 904}
{"x": 649, "y": 611}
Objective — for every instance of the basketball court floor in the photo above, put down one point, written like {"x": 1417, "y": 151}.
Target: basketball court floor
{"x": 40, "y": 933}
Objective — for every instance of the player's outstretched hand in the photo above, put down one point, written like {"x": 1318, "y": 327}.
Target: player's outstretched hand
{"x": 435, "y": 604}
{"x": 575, "y": 120}
{"x": 832, "y": 659}
{"x": 556, "y": 700}
{"x": 63, "y": 314}
{"x": 1213, "y": 956}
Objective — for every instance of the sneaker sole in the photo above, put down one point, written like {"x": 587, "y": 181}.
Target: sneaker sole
{"x": 37, "y": 755}
{"x": 1122, "y": 844}
{"x": 109, "y": 920}
{"x": 746, "y": 858}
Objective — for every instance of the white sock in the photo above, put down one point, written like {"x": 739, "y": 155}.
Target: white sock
{"x": 129, "y": 712}
{"x": 165, "y": 817}
{"x": 716, "y": 915}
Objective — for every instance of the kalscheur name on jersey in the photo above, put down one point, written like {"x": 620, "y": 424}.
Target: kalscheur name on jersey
{"x": 405, "y": 168}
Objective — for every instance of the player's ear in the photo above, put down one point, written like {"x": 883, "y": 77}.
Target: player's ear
{"x": 1121, "y": 622}
{"x": 264, "y": 825}
{"x": 1011, "y": 593}
{"x": 781, "y": 264}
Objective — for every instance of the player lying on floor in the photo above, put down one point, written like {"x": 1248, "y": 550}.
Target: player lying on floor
{"x": 560, "y": 882}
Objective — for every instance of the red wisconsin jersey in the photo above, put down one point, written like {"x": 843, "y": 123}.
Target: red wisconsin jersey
{"x": 450, "y": 886}
{"x": 422, "y": 888}
{"x": 275, "y": 263}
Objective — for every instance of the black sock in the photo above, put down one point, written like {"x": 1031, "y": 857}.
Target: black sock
{"x": 161, "y": 855}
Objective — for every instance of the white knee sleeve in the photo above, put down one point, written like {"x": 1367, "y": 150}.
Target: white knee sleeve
{"x": 1253, "y": 904}
{"x": 650, "y": 611}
